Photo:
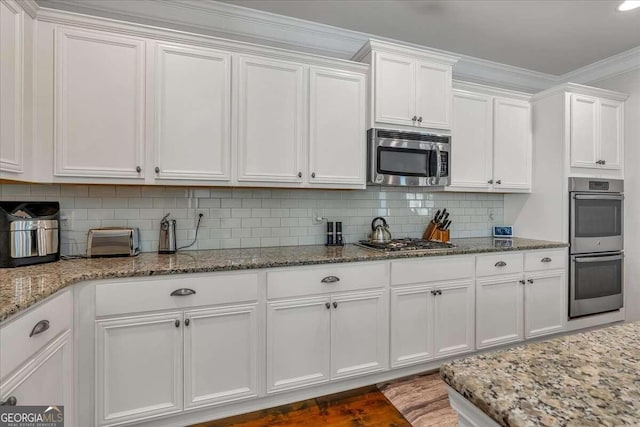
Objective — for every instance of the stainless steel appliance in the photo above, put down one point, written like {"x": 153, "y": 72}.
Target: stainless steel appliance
{"x": 596, "y": 225}
{"x": 113, "y": 242}
{"x": 167, "y": 244}
{"x": 408, "y": 158}
{"x": 29, "y": 233}
{"x": 406, "y": 245}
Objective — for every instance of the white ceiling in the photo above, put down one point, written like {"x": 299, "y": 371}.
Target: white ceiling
{"x": 552, "y": 37}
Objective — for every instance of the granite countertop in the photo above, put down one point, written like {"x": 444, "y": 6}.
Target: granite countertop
{"x": 24, "y": 286}
{"x": 587, "y": 379}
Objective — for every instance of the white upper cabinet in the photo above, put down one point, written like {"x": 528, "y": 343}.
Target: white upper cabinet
{"x": 337, "y": 134}
{"x": 433, "y": 94}
{"x": 512, "y": 151}
{"x": 472, "y": 140}
{"x": 192, "y": 117}
{"x": 11, "y": 76}
{"x": 394, "y": 89}
{"x": 99, "y": 104}
{"x": 411, "y": 87}
{"x": 490, "y": 140}
{"x": 596, "y": 132}
{"x": 270, "y": 126}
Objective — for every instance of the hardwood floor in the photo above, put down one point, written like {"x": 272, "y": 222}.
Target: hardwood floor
{"x": 362, "y": 407}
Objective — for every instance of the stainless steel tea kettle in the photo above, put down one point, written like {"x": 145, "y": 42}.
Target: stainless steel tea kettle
{"x": 167, "y": 244}
{"x": 380, "y": 233}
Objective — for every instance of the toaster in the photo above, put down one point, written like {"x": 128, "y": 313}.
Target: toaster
{"x": 113, "y": 242}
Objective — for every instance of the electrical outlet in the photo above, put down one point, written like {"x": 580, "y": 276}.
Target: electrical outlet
{"x": 317, "y": 217}
{"x": 66, "y": 221}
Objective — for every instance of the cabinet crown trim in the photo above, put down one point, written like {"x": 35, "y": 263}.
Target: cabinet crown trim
{"x": 425, "y": 54}
{"x": 581, "y": 90}
{"x": 476, "y": 88}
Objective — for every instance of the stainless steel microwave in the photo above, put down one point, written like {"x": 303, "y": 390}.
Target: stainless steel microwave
{"x": 408, "y": 158}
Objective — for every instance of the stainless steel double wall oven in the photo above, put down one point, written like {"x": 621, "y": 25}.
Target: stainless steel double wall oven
{"x": 596, "y": 227}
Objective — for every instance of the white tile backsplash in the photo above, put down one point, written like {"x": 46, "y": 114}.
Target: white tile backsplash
{"x": 235, "y": 218}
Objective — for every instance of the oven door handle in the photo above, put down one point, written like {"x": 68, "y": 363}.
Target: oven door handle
{"x": 598, "y": 196}
{"x": 599, "y": 259}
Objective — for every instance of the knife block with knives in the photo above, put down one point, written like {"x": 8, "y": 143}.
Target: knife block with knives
{"x": 438, "y": 228}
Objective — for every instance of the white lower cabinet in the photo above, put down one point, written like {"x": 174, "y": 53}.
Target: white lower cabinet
{"x": 220, "y": 355}
{"x": 499, "y": 310}
{"x": 313, "y": 340}
{"x": 159, "y": 364}
{"x": 431, "y": 321}
{"x": 545, "y": 297}
{"x": 139, "y": 367}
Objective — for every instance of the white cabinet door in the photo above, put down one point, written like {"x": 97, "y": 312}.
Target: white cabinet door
{"x": 610, "y": 135}
{"x": 139, "y": 367}
{"x": 454, "y": 318}
{"x": 359, "y": 334}
{"x": 192, "y": 113}
{"x": 298, "y": 340}
{"x": 472, "y": 140}
{"x": 433, "y": 95}
{"x": 271, "y": 112}
{"x": 220, "y": 363}
{"x": 545, "y": 310}
{"x": 47, "y": 379}
{"x": 395, "y": 100}
{"x": 411, "y": 325}
{"x": 99, "y": 105}
{"x": 499, "y": 305}
{"x": 584, "y": 131}
{"x": 512, "y": 150}
{"x": 11, "y": 64}
{"x": 337, "y": 134}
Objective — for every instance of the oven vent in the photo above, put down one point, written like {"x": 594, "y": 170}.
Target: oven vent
{"x": 413, "y": 136}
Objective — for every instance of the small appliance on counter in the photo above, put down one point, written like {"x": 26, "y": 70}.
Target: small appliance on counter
{"x": 167, "y": 244}
{"x": 29, "y": 233}
{"x": 113, "y": 242}
{"x": 334, "y": 234}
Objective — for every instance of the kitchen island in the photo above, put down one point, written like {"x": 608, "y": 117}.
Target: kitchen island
{"x": 587, "y": 379}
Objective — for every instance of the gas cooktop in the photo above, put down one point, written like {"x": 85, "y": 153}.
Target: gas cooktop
{"x": 405, "y": 245}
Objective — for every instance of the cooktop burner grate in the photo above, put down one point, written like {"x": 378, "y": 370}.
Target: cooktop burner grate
{"x": 408, "y": 244}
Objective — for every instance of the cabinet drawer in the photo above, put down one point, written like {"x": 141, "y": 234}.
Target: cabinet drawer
{"x": 545, "y": 260}
{"x": 16, "y": 344}
{"x": 431, "y": 270}
{"x": 331, "y": 278}
{"x": 504, "y": 263}
{"x": 149, "y": 295}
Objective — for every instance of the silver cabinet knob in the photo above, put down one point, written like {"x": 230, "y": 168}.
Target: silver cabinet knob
{"x": 490, "y": 181}
{"x": 187, "y": 322}
{"x": 138, "y": 169}
{"x": 522, "y": 282}
{"x": 414, "y": 118}
{"x": 177, "y": 323}
{"x": 439, "y": 292}
{"x": 604, "y": 162}
{"x": 11, "y": 401}
{"x": 299, "y": 174}
{"x": 420, "y": 119}
{"x": 335, "y": 304}
{"x": 499, "y": 181}
{"x": 157, "y": 169}
{"x": 313, "y": 174}
{"x": 328, "y": 306}
{"x": 530, "y": 280}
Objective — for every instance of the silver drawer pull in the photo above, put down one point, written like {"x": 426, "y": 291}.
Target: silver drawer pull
{"x": 500, "y": 264}
{"x": 182, "y": 292}
{"x": 330, "y": 279}
{"x": 40, "y": 327}
{"x": 545, "y": 259}
{"x": 11, "y": 401}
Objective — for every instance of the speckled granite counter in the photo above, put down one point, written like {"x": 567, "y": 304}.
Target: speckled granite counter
{"x": 24, "y": 286}
{"x": 587, "y": 379}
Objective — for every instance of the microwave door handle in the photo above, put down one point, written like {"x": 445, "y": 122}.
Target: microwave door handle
{"x": 438, "y": 163}
{"x": 599, "y": 259}
{"x": 598, "y": 196}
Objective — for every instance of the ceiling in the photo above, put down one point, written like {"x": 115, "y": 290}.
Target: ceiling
{"x": 552, "y": 37}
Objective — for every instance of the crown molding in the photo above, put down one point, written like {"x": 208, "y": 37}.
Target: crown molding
{"x": 582, "y": 90}
{"x": 403, "y": 49}
{"x": 464, "y": 86}
{"x": 229, "y": 21}
{"x": 30, "y": 7}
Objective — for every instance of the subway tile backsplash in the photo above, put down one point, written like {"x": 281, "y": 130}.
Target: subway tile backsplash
{"x": 241, "y": 218}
